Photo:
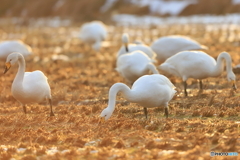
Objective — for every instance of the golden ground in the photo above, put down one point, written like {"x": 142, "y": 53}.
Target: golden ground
{"x": 197, "y": 124}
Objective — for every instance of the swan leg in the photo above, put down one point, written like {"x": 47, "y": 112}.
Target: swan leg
{"x": 24, "y": 109}
{"x": 145, "y": 112}
{"x": 166, "y": 112}
{"x": 200, "y": 85}
{"x": 185, "y": 88}
{"x": 50, "y": 103}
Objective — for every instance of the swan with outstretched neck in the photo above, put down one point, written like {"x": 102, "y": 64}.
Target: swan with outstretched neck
{"x": 133, "y": 65}
{"x": 198, "y": 65}
{"x": 28, "y": 87}
{"x": 148, "y": 91}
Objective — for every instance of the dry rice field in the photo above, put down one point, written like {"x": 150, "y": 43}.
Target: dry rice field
{"x": 197, "y": 124}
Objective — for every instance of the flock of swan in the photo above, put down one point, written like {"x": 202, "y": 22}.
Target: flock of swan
{"x": 178, "y": 56}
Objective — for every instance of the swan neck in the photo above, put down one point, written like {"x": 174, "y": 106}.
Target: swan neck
{"x": 220, "y": 63}
{"x": 117, "y": 87}
{"x": 152, "y": 68}
{"x": 21, "y": 70}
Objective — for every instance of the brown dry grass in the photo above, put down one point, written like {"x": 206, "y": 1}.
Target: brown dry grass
{"x": 197, "y": 125}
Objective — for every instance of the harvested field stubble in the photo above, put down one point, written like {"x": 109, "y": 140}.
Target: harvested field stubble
{"x": 197, "y": 125}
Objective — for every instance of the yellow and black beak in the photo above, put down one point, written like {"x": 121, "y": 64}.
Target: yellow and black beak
{"x": 234, "y": 87}
{"x": 7, "y": 67}
{"x": 126, "y": 47}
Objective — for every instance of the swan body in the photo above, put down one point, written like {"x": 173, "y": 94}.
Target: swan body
{"x": 7, "y": 47}
{"x": 198, "y": 65}
{"x": 93, "y": 33}
{"x": 28, "y": 87}
{"x": 167, "y": 46}
{"x": 148, "y": 91}
{"x": 133, "y": 65}
{"x": 130, "y": 47}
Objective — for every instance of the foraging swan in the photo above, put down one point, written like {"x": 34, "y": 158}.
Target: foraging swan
{"x": 7, "y": 47}
{"x": 148, "y": 91}
{"x": 93, "y": 33}
{"x": 28, "y": 87}
{"x": 167, "y": 46}
{"x": 127, "y": 48}
{"x": 198, "y": 65}
{"x": 134, "y": 65}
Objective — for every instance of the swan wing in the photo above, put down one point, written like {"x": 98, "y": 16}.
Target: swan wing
{"x": 134, "y": 63}
{"x": 194, "y": 64}
{"x": 92, "y": 32}
{"x": 35, "y": 83}
{"x": 153, "y": 90}
{"x": 167, "y": 46}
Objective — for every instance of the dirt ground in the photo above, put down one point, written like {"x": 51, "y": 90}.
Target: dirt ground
{"x": 197, "y": 124}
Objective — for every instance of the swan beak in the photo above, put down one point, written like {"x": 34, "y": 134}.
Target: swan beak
{"x": 7, "y": 67}
{"x": 126, "y": 47}
{"x": 234, "y": 85}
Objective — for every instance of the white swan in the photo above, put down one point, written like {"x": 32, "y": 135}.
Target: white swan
{"x": 149, "y": 91}
{"x": 133, "y": 65}
{"x": 167, "y": 46}
{"x": 198, "y": 65}
{"x": 28, "y": 87}
{"x": 127, "y": 48}
{"x": 7, "y": 47}
{"x": 93, "y": 33}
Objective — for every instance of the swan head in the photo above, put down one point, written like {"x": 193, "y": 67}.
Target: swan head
{"x": 11, "y": 60}
{"x": 231, "y": 77}
{"x": 106, "y": 113}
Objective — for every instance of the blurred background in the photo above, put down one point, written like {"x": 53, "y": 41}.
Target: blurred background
{"x": 86, "y": 10}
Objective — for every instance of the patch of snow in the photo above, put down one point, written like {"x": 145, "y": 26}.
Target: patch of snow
{"x": 52, "y": 151}
{"x": 94, "y": 151}
{"x": 61, "y": 57}
{"x": 162, "y": 7}
{"x": 235, "y": 2}
{"x": 237, "y": 66}
{"x": 38, "y": 22}
{"x": 58, "y": 4}
{"x": 4, "y": 147}
{"x": 169, "y": 7}
{"x": 21, "y": 149}
{"x": 158, "y": 140}
{"x": 107, "y": 5}
{"x": 51, "y": 22}
{"x": 92, "y": 143}
{"x": 166, "y": 152}
{"x": 132, "y": 20}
